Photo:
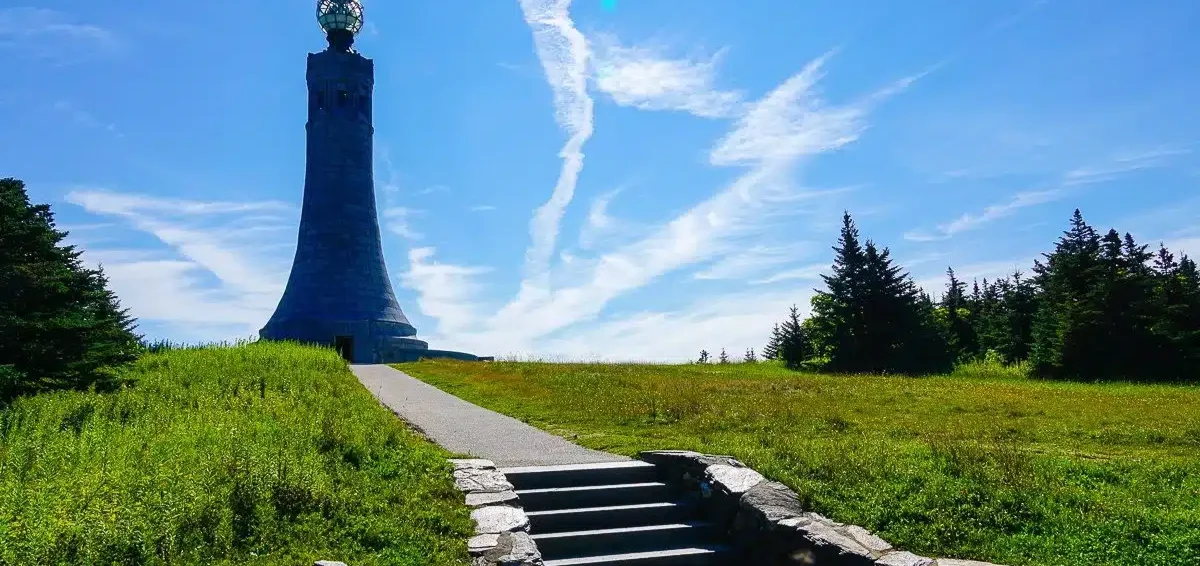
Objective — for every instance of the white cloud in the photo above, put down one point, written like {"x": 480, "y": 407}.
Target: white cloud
{"x": 811, "y": 272}
{"x": 791, "y": 122}
{"x": 786, "y": 125}
{"x": 1122, "y": 163}
{"x": 51, "y": 35}
{"x": 206, "y": 273}
{"x": 741, "y": 264}
{"x": 563, "y": 53}
{"x": 644, "y": 78}
{"x": 482, "y": 208}
{"x": 397, "y": 219}
{"x": 599, "y": 224}
{"x": 444, "y": 291}
{"x": 1118, "y": 165}
{"x": 990, "y": 214}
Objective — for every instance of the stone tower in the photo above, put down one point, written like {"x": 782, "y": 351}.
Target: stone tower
{"x": 338, "y": 292}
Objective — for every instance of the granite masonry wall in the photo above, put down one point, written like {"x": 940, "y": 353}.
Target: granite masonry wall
{"x": 501, "y": 526}
{"x": 765, "y": 521}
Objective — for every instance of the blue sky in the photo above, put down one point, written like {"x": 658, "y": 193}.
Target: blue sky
{"x": 558, "y": 179}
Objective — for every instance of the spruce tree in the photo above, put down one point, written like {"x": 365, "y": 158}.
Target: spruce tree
{"x": 961, "y": 334}
{"x": 723, "y": 358}
{"x": 1019, "y": 305}
{"x": 871, "y": 317}
{"x": 794, "y": 349}
{"x": 60, "y": 326}
{"x": 750, "y": 357}
{"x": 835, "y": 309}
{"x": 771, "y": 351}
{"x": 703, "y": 357}
{"x": 1069, "y": 320}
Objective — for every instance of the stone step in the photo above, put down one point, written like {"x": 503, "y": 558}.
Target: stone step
{"x": 693, "y": 556}
{"x": 590, "y": 518}
{"x": 576, "y": 544}
{"x": 579, "y": 475}
{"x": 593, "y": 496}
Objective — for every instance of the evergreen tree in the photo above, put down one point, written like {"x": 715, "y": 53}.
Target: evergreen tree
{"x": 836, "y": 315}
{"x": 871, "y": 317}
{"x": 723, "y": 358}
{"x": 703, "y": 357}
{"x": 958, "y": 313}
{"x": 60, "y": 326}
{"x": 750, "y": 357}
{"x": 794, "y": 348}
{"x": 771, "y": 351}
{"x": 1066, "y": 319}
{"x": 1019, "y": 305}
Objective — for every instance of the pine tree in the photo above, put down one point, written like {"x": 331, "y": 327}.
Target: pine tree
{"x": 771, "y": 351}
{"x": 703, "y": 357}
{"x": 794, "y": 348}
{"x": 59, "y": 324}
{"x": 750, "y": 357}
{"x": 723, "y": 358}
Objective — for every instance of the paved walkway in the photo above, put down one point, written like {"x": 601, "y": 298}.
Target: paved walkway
{"x": 464, "y": 428}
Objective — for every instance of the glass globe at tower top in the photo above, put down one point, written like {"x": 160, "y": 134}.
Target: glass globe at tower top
{"x": 340, "y": 16}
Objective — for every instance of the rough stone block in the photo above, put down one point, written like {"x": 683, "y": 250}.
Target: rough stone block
{"x": 958, "y": 562}
{"x": 499, "y": 519}
{"x": 867, "y": 539}
{"x": 832, "y": 547}
{"x": 507, "y": 549}
{"x": 767, "y": 503}
{"x": 480, "y": 499}
{"x": 473, "y": 480}
{"x": 902, "y": 558}
{"x": 328, "y": 563}
{"x": 480, "y": 544}
{"x": 732, "y": 480}
{"x": 472, "y": 464}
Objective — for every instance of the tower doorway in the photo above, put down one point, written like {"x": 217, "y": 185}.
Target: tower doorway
{"x": 345, "y": 347}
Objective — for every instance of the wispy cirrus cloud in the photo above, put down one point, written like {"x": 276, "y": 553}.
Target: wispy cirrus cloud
{"x": 644, "y": 77}
{"x": 1120, "y": 164}
{"x": 53, "y": 36}
{"x": 85, "y": 118}
{"x": 216, "y": 264}
{"x": 774, "y": 134}
{"x": 742, "y": 264}
{"x": 398, "y": 220}
{"x": 563, "y": 52}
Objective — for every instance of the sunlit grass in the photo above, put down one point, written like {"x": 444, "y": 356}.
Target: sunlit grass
{"x": 261, "y": 454}
{"x": 982, "y": 464}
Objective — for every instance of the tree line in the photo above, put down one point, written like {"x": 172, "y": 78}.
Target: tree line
{"x": 1097, "y": 307}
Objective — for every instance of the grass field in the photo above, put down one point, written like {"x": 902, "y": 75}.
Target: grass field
{"x": 983, "y": 464}
{"x": 265, "y": 454}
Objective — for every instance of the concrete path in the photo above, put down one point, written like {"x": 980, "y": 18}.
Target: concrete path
{"x": 464, "y": 428}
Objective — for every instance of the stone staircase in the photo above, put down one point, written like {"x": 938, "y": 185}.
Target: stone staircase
{"x": 616, "y": 513}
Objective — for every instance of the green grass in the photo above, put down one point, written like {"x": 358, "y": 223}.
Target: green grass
{"x": 256, "y": 455}
{"x": 983, "y": 464}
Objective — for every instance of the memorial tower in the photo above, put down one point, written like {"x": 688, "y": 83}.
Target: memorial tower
{"x": 338, "y": 292}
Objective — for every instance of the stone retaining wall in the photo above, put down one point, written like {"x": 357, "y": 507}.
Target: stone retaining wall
{"x": 501, "y": 526}
{"x": 765, "y": 521}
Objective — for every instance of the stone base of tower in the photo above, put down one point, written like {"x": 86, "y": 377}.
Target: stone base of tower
{"x": 360, "y": 342}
